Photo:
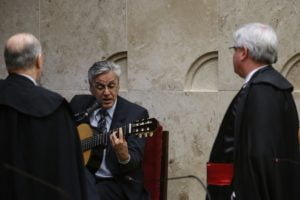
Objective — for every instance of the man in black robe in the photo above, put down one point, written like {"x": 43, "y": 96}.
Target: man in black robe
{"x": 256, "y": 153}
{"x": 40, "y": 154}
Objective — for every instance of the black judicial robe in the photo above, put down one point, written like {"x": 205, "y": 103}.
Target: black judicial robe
{"x": 266, "y": 148}
{"x": 40, "y": 154}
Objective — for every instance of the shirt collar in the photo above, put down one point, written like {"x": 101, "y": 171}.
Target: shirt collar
{"x": 249, "y": 76}
{"x": 111, "y": 110}
{"x": 29, "y": 77}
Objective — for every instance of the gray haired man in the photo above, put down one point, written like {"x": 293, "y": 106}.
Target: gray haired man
{"x": 256, "y": 151}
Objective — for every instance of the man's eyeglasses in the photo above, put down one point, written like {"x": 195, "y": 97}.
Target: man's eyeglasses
{"x": 234, "y": 48}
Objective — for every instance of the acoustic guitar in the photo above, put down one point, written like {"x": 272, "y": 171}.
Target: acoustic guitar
{"x": 90, "y": 138}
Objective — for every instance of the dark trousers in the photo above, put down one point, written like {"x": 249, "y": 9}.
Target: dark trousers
{"x": 103, "y": 189}
{"x": 92, "y": 193}
{"x": 109, "y": 189}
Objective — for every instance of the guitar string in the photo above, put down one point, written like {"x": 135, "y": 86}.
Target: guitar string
{"x": 96, "y": 139}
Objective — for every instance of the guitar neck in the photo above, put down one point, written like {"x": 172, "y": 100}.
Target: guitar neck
{"x": 142, "y": 128}
{"x": 100, "y": 139}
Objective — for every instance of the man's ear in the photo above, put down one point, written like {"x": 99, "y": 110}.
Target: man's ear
{"x": 38, "y": 67}
{"x": 244, "y": 53}
{"x": 39, "y": 62}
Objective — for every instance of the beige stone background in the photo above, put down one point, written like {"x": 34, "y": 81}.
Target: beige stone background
{"x": 174, "y": 55}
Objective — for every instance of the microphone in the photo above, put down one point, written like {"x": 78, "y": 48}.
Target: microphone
{"x": 92, "y": 107}
{"x": 80, "y": 115}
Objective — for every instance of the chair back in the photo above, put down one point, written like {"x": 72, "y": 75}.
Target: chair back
{"x": 155, "y": 164}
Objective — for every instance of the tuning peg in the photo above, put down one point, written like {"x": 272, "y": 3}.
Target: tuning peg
{"x": 140, "y": 135}
{"x": 150, "y": 134}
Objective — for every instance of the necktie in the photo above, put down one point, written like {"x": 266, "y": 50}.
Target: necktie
{"x": 102, "y": 122}
{"x": 97, "y": 153}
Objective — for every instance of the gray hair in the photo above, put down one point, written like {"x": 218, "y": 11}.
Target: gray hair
{"x": 21, "y": 51}
{"x": 260, "y": 40}
{"x": 102, "y": 67}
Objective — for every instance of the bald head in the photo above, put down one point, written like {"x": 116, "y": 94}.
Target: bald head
{"x": 21, "y": 51}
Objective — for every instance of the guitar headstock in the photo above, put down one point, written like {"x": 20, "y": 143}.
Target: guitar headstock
{"x": 143, "y": 127}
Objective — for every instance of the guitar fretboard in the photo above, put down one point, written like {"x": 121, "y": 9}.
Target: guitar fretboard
{"x": 141, "y": 127}
{"x": 100, "y": 139}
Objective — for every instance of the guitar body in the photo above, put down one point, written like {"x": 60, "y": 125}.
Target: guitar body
{"x": 85, "y": 132}
{"x": 89, "y": 139}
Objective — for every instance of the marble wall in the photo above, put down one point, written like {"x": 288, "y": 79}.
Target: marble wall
{"x": 174, "y": 56}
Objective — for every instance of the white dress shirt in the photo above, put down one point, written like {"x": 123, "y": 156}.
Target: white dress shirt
{"x": 103, "y": 171}
{"x": 249, "y": 76}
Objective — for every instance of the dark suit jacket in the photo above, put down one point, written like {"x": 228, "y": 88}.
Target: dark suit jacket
{"x": 125, "y": 113}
